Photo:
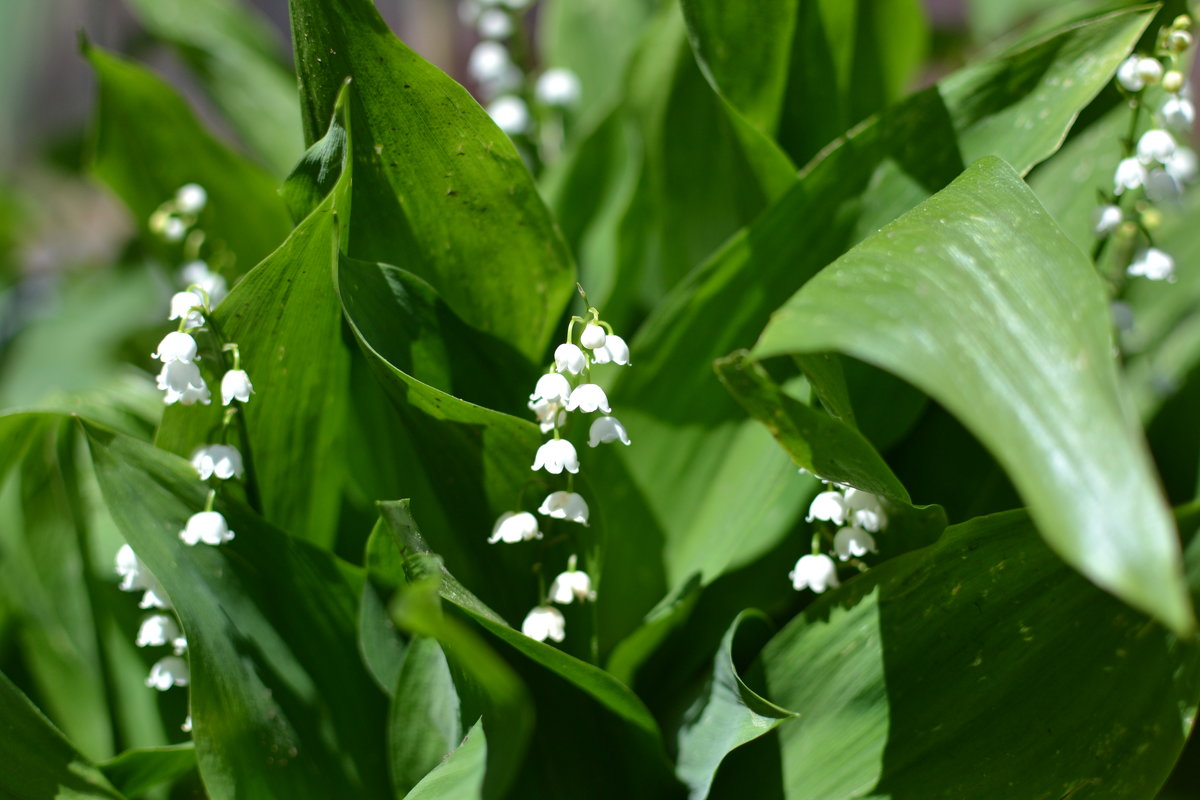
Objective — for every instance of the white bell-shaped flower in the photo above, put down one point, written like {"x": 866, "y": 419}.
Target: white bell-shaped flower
{"x": 168, "y": 672}
{"x": 191, "y": 198}
{"x": 864, "y": 510}
{"x": 1154, "y": 264}
{"x": 607, "y": 429}
{"x": 1130, "y": 174}
{"x": 565, "y": 505}
{"x": 614, "y": 350}
{"x": 187, "y": 306}
{"x": 494, "y": 24}
{"x": 176, "y": 346}
{"x": 556, "y": 455}
{"x": 1106, "y": 219}
{"x": 551, "y": 388}
{"x": 133, "y": 572}
{"x": 173, "y": 229}
{"x": 515, "y": 526}
{"x": 558, "y": 87}
{"x": 159, "y": 629}
{"x": 197, "y": 273}
{"x": 236, "y": 385}
{"x": 569, "y": 358}
{"x": 1137, "y": 72}
{"x": 1155, "y": 146}
{"x": 488, "y": 61}
{"x": 1178, "y": 113}
{"x": 183, "y": 384}
{"x": 1182, "y": 165}
{"x": 588, "y": 397}
{"x": 544, "y": 622}
{"x": 549, "y": 415}
{"x": 592, "y": 336}
{"x": 208, "y": 527}
{"x": 574, "y": 584}
{"x": 510, "y": 114}
{"x": 853, "y": 542}
{"x": 816, "y": 572}
{"x": 828, "y": 506}
{"x": 221, "y": 460}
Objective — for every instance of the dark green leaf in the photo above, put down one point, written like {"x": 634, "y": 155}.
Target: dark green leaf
{"x": 281, "y": 703}
{"x": 424, "y": 725}
{"x": 135, "y": 772}
{"x": 1004, "y": 322}
{"x": 972, "y": 669}
{"x": 461, "y": 775}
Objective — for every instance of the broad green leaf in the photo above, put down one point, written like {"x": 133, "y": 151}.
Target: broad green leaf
{"x": 428, "y": 155}
{"x": 382, "y": 647}
{"x": 804, "y": 71}
{"x": 1002, "y": 320}
{"x": 135, "y": 772}
{"x": 281, "y": 704}
{"x": 146, "y": 162}
{"x": 39, "y": 762}
{"x": 461, "y": 775}
{"x": 816, "y": 441}
{"x": 958, "y": 671}
{"x": 423, "y": 725}
{"x": 680, "y": 418}
{"x": 727, "y": 714}
{"x": 237, "y": 56}
{"x": 285, "y": 317}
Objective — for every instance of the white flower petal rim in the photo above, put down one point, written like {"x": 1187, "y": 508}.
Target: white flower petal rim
{"x": 571, "y": 585}
{"x": 544, "y": 622}
{"x": 167, "y": 672}
{"x": 853, "y": 542}
{"x": 569, "y": 358}
{"x": 565, "y": 505}
{"x": 551, "y": 388}
{"x": 816, "y": 572}
{"x": 207, "y": 527}
{"x": 607, "y": 429}
{"x": 235, "y": 385}
{"x": 555, "y": 456}
{"x": 515, "y": 526}
{"x": 176, "y": 346}
{"x": 588, "y": 397}
{"x": 220, "y": 460}
{"x": 829, "y": 506}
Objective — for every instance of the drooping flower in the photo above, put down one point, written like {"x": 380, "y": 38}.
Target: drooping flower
{"x": 186, "y": 306}
{"x": 167, "y": 672}
{"x": 1130, "y": 174}
{"x": 494, "y": 24}
{"x": 558, "y": 87}
{"x": 544, "y": 622}
{"x": 1178, "y": 112}
{"x": 555, "y": 456}
{"x": 176, "y": 346}
{"x": 489, "y": 62}
{"x": 864, "y": 510}
{"x": 853, "y": 542}
{"x": 1106, "y": 219}
{"x": 569, "y": 358}
{"x": 221, "y": 460}
{"x": 588, "y": 397}
{"x": 191, "y": 198}
{"x": 208, "y": 527}
{"x": 1136, "y": 72}
{"x": 829, "y": 506}
{"x": 159, "y": 629}
{"x": 236, "y": 384}
{"x": 816, "y": 572}
{"x": 607, "y": 429}
{"x": 510, "y": 114}
{"x": 565, "y": 505}
{"x": 183, "y": 384}
{"x": 551, "y": 388}
{"x": 1154, "y": 264}
{"x": 1155, "y": 145}
{"x": 574, "y": 584}
{"x": 135, "y": 577}
{"x": 515, "y": 526}
{"x": 1182, "y": 165}
{"x": 614, "y": 350}
{"x": 549, "y": 415}
{"x": 592, "y": 336}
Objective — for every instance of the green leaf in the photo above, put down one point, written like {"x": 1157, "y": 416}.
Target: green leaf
{"x": 382, "y": 647}
{"x": 728, "y": 713}
{"x": 237, "y": 56}
{"x": 682, "y": 421}
{"x": 285, "y": 317}
{"x": 39, "y": 762}
{"x": 1003, "y": 321}
{"x": 135, "y": 772}
{"x": 281, "y": 704}
{"x": 804, "y": 71}
{"x": 971, "y": 669}
{"x": 461, "y": 775}
{"x": 146, "y": 162}
{"x": 426, "y": 153}
{"x": 424, "y": 725}
{"x": 816, "y": 441}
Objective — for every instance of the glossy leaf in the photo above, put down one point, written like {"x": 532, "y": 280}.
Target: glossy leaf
{"x": 146, "y": 163}
{"x": 727, "y": 714}
{"x": 1003, "y": 321}
{"x": 954, "y": 671}
{"x": 424, "y": 725}
{"x": 135, "y": 772}
{"x": 281, "y": 704}
{"x": 427, "y": 154}
{"x": 461, "y": 775}
{"x": 39, "y": 762}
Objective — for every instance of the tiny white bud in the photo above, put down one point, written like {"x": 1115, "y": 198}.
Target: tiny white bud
{"x": 592, "y": 336}
{"x": 494, "y": 24}
{"x": 191, "y": 198}
{"x": 558, "y": 87}
{"x": 510, "y": 114}
{"x": 1106, "y": 219}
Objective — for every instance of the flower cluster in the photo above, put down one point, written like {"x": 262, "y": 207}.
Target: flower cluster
{"x": 562, "y": 394}
{"x": 502, "y": 82}
{"x": 851, "y": 516}
{"x": 1155, "y": 166}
